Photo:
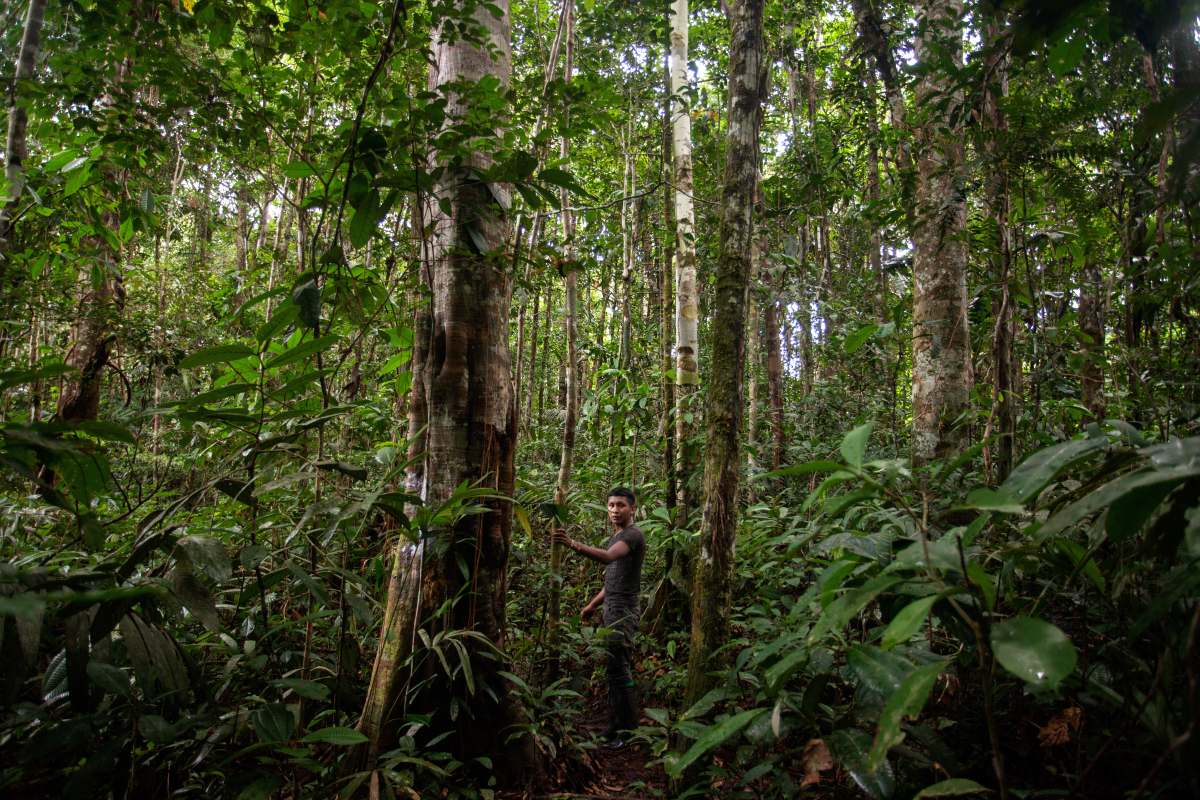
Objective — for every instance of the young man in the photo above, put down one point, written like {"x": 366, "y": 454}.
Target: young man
{"x": 620, "y": 598}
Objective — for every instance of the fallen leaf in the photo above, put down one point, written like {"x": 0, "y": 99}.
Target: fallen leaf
{"x": 1058, "y": 729}
{"x": 660, "y": 673}
{"x": 816, "y": 758}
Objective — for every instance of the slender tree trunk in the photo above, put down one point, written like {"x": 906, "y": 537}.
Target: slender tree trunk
{"x": 570, "y": 333}
{"x": 752, "y": 359}
{"x": 1091, "y": 325}
{"x": 470, "y": 436}
{"x": 878, "y": 43}
{"x": 875, "y": 251}
{"x": 667, "y": 300}
{"x": 16, "y": 147}
{"x": 530, "y": 391}
{"x": 775, "y": 375}
{"x": 687, "y": 298}
{"x": 996, "y": 181}
{"x": 713, "y": 565}
{"x": 942, "y": 369}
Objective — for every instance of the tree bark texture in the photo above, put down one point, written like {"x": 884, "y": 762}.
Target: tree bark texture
{"x": 16, "y": 147}
{"x": 942, "y": 369}
{"x": 714, "y": 557}
{"x": 687, "y": 298}
{"x": 471, "y": 432}
{"x": 752, "y": 359}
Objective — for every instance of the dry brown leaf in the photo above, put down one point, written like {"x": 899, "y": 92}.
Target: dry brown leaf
{"x": 815, "y": 759}
{"x": 1058, "y": 729}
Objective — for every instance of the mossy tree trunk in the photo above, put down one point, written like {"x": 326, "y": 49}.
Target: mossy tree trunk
{"x": 942, "y": 371}
{"x": 713, "y": 560}
{"x": 470, "y": 435}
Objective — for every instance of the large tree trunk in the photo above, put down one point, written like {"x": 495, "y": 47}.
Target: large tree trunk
{"x": 16, "y": 147}
{"x": 470, "y": 436}
{"x": 713, "y": 563}
{"x": 687, "y": 298}
{"x": 942, "y": 370}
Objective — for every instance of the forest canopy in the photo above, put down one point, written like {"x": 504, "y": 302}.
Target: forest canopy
{"x": 333, "y": 328}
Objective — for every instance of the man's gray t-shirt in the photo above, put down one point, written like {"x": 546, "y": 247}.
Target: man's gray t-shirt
{"x": 623, "y": 583}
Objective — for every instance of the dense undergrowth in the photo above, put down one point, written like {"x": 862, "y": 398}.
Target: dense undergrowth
{"x": 204, "y": 624}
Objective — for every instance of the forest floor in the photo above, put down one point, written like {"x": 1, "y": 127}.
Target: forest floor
{"x": 599, "y": 774}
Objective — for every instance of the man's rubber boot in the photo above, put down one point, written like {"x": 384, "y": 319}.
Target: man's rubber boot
{"x": 628, "y": 707}
{"x": 614, "y": 713}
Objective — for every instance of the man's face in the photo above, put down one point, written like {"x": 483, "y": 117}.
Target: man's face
{"x": 619, "y": 511}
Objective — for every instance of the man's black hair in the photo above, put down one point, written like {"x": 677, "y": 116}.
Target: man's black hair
{"x": 621, "y": 491}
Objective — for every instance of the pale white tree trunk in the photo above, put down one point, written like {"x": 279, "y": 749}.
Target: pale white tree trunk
{"x": 687, "y": 300}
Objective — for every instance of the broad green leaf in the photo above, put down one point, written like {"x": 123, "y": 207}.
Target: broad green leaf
{"x": 307, "y": 298}
{"x": 350, "y": 470}
{"x": 221, "y": 354}
{"x": 906, "y": 623}
{"x": 278, "y": 321}
{"x": 704, "y": 704}
{"x": 156, "y": 729}
{"x": 878, "y": 669}
{"x": 262, "y": 788}
{"x": 284, "y": 482}
{"x": 1129, "y": 513}
{"x": 109, "y": 678}
{"x": 1137, "y": 484}
{"x": 310, "y": 689}
{"x": 209, "y": 554}
{"x": 812, "y": 466}
{"x": 713, "y": 737}
{"x": 858, "y": 338}
{"x": 106, "y": 430}
{"x": 1076, "y": 552}
{"x": 274, "y": 723}
{"x": 303, "y": 350}
{"x": 365, "y": 219}
{"x": 310, "y": 583}
{"x": 852, "y": 748}
{"x": 522, "y": 519}
{"x": 955, "y": 787}
{"x": 854, "y": 445}
{"x": 1063, "y": 58}
{"x": 213, "y": 395}
{"x": 339, "y": 736}
{"x": 1173, "y": 588}
{"x": 17, "y": 377}
{"x": 779, "y": 672}
{"x": 993, "y": 500}
{"x": 1033, "y": 650}
{"x": 61, "y": 160}
{"x": 298, "y": 169}
{"x": 907, "y": 701}
{"x": 395, "y": 362}
{"x": 298, "y": 383}
{"x": 1033, "y": 474}
{"x": 846, "y": 606}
